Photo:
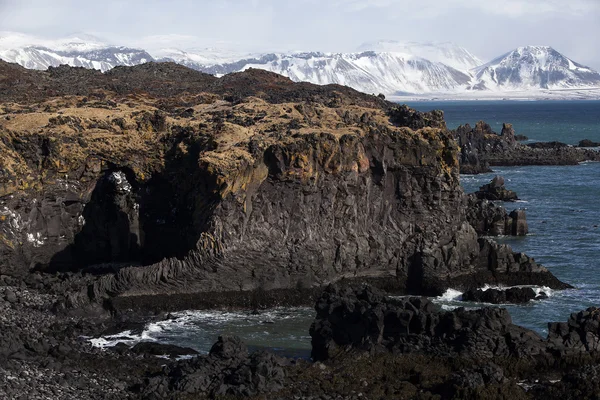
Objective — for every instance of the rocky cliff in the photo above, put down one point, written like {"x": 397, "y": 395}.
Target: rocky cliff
{"x": 157, "y": 179}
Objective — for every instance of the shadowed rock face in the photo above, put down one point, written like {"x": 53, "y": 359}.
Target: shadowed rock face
{"x": 250, "y": 182}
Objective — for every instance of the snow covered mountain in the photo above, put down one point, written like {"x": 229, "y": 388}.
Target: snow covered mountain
{"x": 443, "y": 52}
{"x": 419, "y": 70}
{"x": 531, "y": 68}
{"x": 77, "y": 51}
{"x": 370, "y": 72}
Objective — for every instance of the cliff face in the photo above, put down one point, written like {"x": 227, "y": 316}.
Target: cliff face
{"x": 237, "y": 187}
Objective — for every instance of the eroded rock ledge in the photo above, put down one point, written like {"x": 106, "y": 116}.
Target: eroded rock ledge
{"x": 158, "y": 181}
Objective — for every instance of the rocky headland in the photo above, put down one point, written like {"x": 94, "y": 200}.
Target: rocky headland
{"x": 154, "y": 188}
{"x": 482, "y": 148}
{"x": 157, "y": 180}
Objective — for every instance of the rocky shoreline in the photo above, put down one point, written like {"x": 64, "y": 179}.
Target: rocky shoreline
{"x": 155, "y": 188}
{"x": 366, "y": 345}
{"x": 482, "y": 148}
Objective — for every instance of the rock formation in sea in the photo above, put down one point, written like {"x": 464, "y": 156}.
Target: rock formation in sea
{"x": 490, "y": 219}
{"x": 158, "y": 180}
{"x": 588, "y": 143}
{"x": 495, "y": 190}
{"x": 482, "y": 148}
{"x": 514, "y": 295}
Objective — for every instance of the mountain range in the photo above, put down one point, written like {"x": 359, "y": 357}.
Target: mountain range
{"x": 396, "y": 69}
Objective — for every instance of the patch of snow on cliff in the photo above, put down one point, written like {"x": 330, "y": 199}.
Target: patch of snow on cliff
{"x": 36, "y": 239}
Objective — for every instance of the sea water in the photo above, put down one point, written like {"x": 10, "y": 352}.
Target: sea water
{"x": 563, "y": 212}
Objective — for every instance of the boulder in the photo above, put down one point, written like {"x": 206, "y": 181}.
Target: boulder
{"x": 488, "y": 218}
{"x": 495, "y": 190}
{"x": 499, "y": 296}
{"x": 160, "y": 349}
{"x": 227, "y": 371}
{"x": 10, "y": 296}
{"x": 588, "y": 143}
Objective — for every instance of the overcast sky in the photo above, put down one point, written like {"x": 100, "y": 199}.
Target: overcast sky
{"x": 488, "y": 28}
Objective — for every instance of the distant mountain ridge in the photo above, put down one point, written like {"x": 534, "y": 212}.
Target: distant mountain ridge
{"x": 533, "y": 67}
{"x": 389, "y": 67}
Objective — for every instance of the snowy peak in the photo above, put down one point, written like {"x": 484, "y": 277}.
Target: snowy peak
{"x": 368, "y": 71}
{"x": 80, "y": 50}
{"x": 534, "y": 67}
{"x": 444, "y": 52}
{"x": 432, "y": 69}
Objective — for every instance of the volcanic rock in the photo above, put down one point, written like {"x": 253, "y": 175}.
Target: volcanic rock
{"x": 498, "y": 296}
{"x": 159, "y": 349}
{"x": 491, "y": 219}
{"x": 227, "y": 371}
{"x": 253, "y": 183}
{"x": 495, "y": 190}
{"x": 588, "y": 143}
{"x": 481, "y": 148}
{"x": 364, "y": 319}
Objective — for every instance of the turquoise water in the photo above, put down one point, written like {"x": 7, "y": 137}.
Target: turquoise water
{"x": 562, "y": 211}
{"x": 563, "y": 121}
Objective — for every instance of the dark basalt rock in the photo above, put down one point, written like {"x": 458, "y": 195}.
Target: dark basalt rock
{"x": 495, "y": 190}
{"x": 588, "y": 143}
{"x": 491, "y": 219}
{"x": 475, "y": 143}
{"x": 227, "y": 371}
{"x": 482, "y": 148}
{"x": 179, "y": 207}
{"x": 521, "y": 138}
{"x": 547, "y": 145}
{"x": 161, "y": 349}
{"x": 498, "y": 296}
{"x": 518, "y": 223}
{"x": 364, "y": 319}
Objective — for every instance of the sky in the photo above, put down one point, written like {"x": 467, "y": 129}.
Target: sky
{"x": 487, "y": 28}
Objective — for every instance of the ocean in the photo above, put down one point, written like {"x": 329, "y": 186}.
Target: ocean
{"x": 563, "y": 214}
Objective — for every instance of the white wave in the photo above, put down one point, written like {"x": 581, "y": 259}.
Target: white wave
{"x": 537, "y": 289}
{"x": 450, "y": 295}
{"x": 194, "y": 320}
{"x": 112, "y": 340}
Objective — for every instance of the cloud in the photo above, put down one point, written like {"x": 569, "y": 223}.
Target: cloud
{"x": 511, "y": 8}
